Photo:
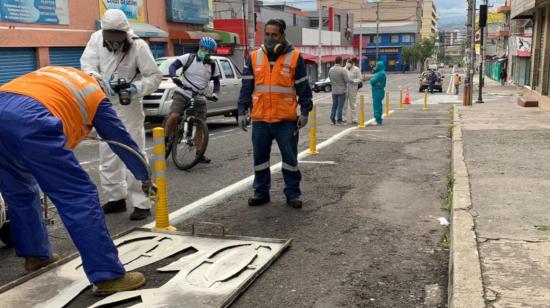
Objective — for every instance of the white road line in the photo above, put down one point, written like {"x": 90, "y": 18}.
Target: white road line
{"x": 320, "y": 162}
{"x": 219, "y": 196}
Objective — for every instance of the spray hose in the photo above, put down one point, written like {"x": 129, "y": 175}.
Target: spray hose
{"x": 151, "y": 193}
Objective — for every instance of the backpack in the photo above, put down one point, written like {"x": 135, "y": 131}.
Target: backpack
{"x": 190, "y": 60}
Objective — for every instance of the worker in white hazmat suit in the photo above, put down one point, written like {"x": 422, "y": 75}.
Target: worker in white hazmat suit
{"x": 114, "y": 53}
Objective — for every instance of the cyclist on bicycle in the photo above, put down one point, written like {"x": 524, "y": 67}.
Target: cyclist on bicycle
{"x": 198, "y": 70}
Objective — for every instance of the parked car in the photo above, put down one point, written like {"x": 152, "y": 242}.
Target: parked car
{"x": 322, "y": 85}
{"x": 157, "y": 105}
{"x": 424, "y": 81}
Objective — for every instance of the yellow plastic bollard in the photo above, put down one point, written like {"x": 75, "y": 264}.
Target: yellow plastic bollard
{"x": 362, "y": 111}
{"x": 387, "y": 111}
{"x": 313, "y": 131}
{"x": 161, "y": 208}
{"x": 425, "y": 99}
{"x": 400, "y": 99}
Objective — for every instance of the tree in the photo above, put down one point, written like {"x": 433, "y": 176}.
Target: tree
{"x": 421, "y": 51}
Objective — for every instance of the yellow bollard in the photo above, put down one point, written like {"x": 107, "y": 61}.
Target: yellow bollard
{"x": 425, "y": 99}
{"x": 387, "y": 111}
{"x": 400, "y": 99}
{"x": 313, "y": 131}
{"x": 161, "y": 208}
{"x": 362, "y": 111}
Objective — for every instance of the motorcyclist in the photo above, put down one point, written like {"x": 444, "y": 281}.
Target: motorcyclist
{"x": 114, "y": 53}
{"x": 198, "y": 70}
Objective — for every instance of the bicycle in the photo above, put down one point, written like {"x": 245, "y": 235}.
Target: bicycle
{"x": 190, "y": 131}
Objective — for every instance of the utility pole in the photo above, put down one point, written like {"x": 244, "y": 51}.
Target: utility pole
{"x": 319, "y": 48}
{"x": 361, "y": 46}
{"x": 482, "y": 24}
{"x": 251, "y": 25}
{"x": 377, "y": 31}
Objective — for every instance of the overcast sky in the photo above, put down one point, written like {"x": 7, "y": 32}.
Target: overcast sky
{"x": 447, "y": 8}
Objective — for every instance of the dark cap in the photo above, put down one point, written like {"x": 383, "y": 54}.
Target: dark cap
{"x": 114, "y": 35}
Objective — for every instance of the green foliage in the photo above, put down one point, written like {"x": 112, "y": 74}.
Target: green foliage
{"x": 420, "y": 51}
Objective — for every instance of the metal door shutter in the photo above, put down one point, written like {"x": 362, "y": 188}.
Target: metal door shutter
{"x": 158, "y": 50}
{"x": 66, "y": 56}
{"x": 15, "y": 62}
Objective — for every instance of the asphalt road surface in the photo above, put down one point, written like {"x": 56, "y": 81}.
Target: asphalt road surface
{"x": 368, "y": 235}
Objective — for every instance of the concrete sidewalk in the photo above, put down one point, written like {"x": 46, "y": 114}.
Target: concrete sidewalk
{"x": 500, "y": 251}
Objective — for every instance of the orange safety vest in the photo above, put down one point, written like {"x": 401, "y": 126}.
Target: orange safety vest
{"x": 274, "y": 96}
{"x": 69, "y": 94}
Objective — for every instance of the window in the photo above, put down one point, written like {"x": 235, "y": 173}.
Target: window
{"x": 394, "y": 39}
{"x": 407, "y": 38}
{"x": 227, "y": 69}
{"x": 372, "y": 39}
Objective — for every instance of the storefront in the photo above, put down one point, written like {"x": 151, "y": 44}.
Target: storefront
{"x": 392, "y": 58}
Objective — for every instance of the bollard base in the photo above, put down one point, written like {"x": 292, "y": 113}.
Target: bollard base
{"x": 361, "y": 126}
{"x": 169, "y": 228}
{"x": 310, "y": 152}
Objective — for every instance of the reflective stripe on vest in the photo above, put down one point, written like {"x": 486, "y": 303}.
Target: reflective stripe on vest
{"x": 80, "y": 95}
{"x": 275, "y": 89}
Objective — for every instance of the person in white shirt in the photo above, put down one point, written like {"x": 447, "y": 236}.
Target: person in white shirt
{"x": 353, "y": 87}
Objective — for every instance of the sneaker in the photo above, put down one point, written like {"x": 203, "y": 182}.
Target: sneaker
{"x": 341, "y": 123}
{"x": 256, "y": 201}
{"x": 333, "y": 122}
{"x": 34, "y": 263}
{"x": 117, "y": 206}
{"x": 294, "y": 203}
{"x": 140, "y": 214}
{"x": 129, "y": 281}
{"x": 205, "y": 160}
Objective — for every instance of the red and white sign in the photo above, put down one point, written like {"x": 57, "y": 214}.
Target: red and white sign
{"x": 224, "y": 50}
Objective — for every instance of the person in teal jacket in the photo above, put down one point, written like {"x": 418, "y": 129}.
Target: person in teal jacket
{"x": 378, "y": 83}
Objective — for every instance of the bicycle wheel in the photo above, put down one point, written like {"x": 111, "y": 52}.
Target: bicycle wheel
{"x": 189, "y": 145}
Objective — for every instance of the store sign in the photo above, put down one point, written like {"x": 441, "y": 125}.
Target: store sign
{"x": 133, "y": 9}
{"x": 224, "y": 50}
{"x": 35, "y": 12}
{"x": 187, "y": 11}
{"x": 523, "y": 46}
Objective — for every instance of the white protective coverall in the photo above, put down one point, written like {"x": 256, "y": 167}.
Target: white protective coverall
{"x": 116, "y": 180}
{"x": 351, "y": 97}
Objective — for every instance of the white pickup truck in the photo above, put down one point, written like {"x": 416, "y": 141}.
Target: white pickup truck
{"x": 157, "y": 105}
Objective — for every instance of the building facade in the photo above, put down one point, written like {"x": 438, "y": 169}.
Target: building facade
{"x": 57, "y": 31}
{"x": 393, "y": 38}
{"x": 429, "y": 19}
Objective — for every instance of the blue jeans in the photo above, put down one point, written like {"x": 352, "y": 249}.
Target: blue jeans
{"x": 457, "y": 89}
{"x": 286, "y": 136}
{"x": 338, "y": 102}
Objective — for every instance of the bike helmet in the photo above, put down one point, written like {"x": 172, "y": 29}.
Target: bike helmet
{"x": 208, "y": 43}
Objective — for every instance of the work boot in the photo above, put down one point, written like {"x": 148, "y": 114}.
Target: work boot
{"x": 295, "y": 203}
{"x": 205, "y": 160}
{"x": 117, "y": 206}
{"x": 129, "y": 281}
{"x": 34, "y": 263}
{"x": 140, "y": 214}
{"x": 256, "y": 201}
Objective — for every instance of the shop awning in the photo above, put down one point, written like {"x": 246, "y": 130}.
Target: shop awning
{"x": 309, "y": 57}
{"x": 226, "y": 38}
{"x": 142, "y": 29}
{"x": 192, "y": 35}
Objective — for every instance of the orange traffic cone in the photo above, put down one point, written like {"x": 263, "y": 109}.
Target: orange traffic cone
{"x": 407, "y": 97}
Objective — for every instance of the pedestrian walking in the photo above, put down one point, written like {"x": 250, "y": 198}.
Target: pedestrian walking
{"x": 116, "y": 54}
{"x": 378, "y": 84}
{"x": 432, "y": 77}
{"x": 457, "y": 82}
{"x": 274, "y": 83}
{"x": 44, "y": 115}
{"x": 353, "y": 87}
{"x": 339, "y": 80}
{"x": 503, "y": 76}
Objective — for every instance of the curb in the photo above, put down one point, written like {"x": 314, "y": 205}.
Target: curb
{"x": 465, "y": 281}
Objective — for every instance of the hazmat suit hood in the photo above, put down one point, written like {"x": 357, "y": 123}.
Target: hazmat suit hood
{"x": 380, "y": 67}
{"x": 115, "y": 19}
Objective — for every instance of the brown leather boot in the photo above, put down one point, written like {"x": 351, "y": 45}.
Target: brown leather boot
{"x": 34, "y": 263}
{"x": 129, "y": 281}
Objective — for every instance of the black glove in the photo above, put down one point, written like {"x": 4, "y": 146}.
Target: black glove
{"x": 149, "y": 188}
{"x": 214, "y": 97}
{"x": 177, "y": 82}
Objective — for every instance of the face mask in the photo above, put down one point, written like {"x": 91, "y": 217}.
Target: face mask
{"x": 202, "y": 55}
{"x": 114, "y": 46}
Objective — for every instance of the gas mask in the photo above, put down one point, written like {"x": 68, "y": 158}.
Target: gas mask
{"x": 271, "y": 46}
{"x": 115, "y": 40}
